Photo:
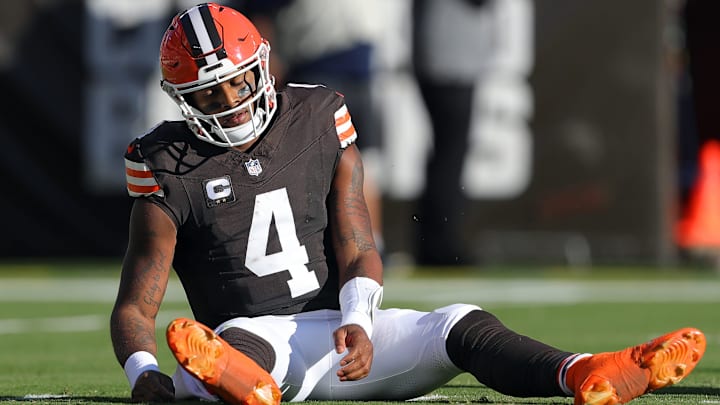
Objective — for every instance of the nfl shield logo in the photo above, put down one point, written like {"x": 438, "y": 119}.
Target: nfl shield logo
{"x": 253, "y": 167}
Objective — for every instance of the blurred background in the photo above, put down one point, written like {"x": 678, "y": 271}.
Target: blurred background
{"x": 582, "y": 143}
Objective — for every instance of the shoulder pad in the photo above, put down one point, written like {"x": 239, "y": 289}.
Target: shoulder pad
{"x": 326, "y": 100}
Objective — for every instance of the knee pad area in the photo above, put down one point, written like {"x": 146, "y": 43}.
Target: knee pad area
{"x": 251, "y": 345}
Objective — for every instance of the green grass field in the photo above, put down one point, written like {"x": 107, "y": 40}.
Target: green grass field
{"x": 55, "y": 345}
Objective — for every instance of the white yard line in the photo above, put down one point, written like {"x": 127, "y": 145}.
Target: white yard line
{"x": 70, "y": 290}
{"x": 72, "y": 324}
{"x": 477, "y": 290}
{"x": 485, "y": 291}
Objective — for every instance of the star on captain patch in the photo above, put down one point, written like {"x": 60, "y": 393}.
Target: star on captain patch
{"x": 253, "y": 167}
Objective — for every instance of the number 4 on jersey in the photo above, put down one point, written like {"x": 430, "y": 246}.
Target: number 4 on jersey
{"x": 293, "y": 256}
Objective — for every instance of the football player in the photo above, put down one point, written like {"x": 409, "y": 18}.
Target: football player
{"x": 255, "y": 200}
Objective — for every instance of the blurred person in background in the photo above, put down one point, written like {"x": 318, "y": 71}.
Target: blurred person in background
{"x": 471, "y": 61}
{"x": 256, "y": 201}
{"x": 448, "y": 61}
{"x": 331, "y": 42}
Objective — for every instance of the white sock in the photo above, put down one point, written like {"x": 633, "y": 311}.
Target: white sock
{"x": 563, "y": 371}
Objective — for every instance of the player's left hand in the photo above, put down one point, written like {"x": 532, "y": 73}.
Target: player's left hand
{"x": 356, "y": 364}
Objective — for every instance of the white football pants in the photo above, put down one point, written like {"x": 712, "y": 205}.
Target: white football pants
{"x": 409, "y": 355}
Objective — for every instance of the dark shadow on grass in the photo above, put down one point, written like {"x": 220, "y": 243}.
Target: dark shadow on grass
{"x": 673, "y": 390}
{"x": 72, "y": 399}
{"x": 65, "y": 399}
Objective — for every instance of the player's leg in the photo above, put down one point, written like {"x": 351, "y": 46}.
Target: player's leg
{"x": 409, "y": 356}
{"x": 499, "y": 358}
{"x": 297, "y": 350}
{"x": 503, "y": 360}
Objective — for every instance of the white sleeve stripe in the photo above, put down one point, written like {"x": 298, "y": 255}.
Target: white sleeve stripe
{"x": 134, "y": 194}
{"x": 344, "y": 127}
{"x": 341, "y": 111}
{"x": 139, "y": 166}
{"x": 140, "y": 181}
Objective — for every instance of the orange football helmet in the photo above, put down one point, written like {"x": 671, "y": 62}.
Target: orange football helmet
{"x": 209, "y": 44}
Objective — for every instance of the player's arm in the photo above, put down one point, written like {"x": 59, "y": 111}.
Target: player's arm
{"x": 143, "y": 282}
{"x": 359, "y": 265}
{"x": 350, "y": 221}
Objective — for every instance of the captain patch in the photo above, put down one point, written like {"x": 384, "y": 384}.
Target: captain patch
{"x": 218, "y": 191}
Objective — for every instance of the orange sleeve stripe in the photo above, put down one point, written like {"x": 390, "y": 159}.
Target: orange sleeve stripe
{"x": 342, "y": 119}
{"x": 347, "y": 133}
{"x": 143, "y": 189}
{"x": 143, "y": 174}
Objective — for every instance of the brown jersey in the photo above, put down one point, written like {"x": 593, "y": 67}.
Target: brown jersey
{"x": 251, "y": 227}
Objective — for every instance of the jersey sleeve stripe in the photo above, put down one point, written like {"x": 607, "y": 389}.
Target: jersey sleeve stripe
{"x": 138, "y": 173}
{"x": 136, "y": 190}
{"x": 341, "y": 128}
{"x": 347, "y": 137}
{"x": 341, "y": 116}
{"x": 139, "y": 166}
{"x": 344, "y": 127}
{"x": 140, "y": 180}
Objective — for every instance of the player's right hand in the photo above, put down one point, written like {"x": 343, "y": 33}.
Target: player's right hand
{"x": 153, "y": 386}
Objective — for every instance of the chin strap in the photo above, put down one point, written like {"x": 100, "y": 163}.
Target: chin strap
{"x": 240, "y": 134}
{"x": 359, "y": 298}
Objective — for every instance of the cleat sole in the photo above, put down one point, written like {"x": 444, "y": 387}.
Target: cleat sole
{"x": 661, "y": 362}
{"x": 671, "y": 360}
{"x": 226, "y": 372}
{"x": 197, "y": 349}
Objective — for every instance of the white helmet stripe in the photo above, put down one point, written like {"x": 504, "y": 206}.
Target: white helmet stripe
{"x": 203, "y": 37}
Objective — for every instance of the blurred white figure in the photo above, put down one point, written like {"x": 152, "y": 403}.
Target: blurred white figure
{"x": 333, "y": 42}
{"x": 460, "y": 123}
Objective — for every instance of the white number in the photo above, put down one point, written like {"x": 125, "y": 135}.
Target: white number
{"x": 293, "y": 256}
{"x": 499, "y": 161}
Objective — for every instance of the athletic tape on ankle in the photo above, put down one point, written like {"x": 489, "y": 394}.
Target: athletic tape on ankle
{"x": 359, "y": 298}
{"x": 138, "y": 363}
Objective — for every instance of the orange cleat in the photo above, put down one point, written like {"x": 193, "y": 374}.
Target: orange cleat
{"x": 618, "y": 377}
{"x": 226, "y": 372}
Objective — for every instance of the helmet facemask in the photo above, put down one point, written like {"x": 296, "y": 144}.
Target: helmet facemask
{"x": 261, "y": 104}
{"x": 205, "y": 46}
